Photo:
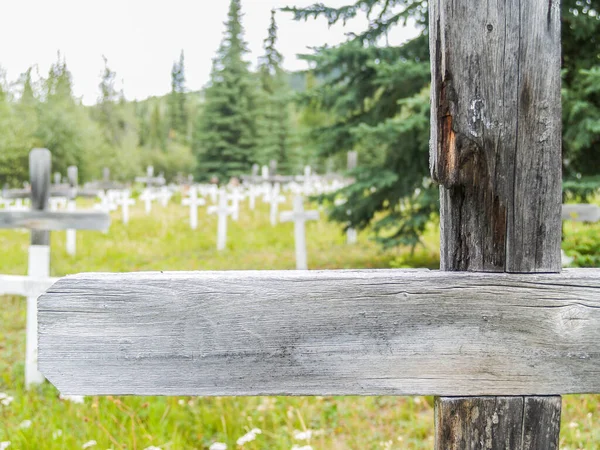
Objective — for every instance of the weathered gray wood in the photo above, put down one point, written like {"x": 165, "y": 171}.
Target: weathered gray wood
{"x": 496, "y": 133}
{"x": 40, "y": 161}
{"x": 496, "y": 151}
{"x": 497, "y": 423}
{"x": 541, "y": 423}
{"x": 581, "y": 213}
{"x": 367, "y": 332}
{"x": 52, "y": 220}
{"x": 478, "y": 423}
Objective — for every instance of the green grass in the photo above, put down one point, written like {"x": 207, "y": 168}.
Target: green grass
{"x": 163, "y": 241}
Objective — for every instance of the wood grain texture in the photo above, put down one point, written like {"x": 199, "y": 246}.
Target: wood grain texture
{"x": 497, "y": 423}
{"x": 40, "y": 162}
{"x": 55, "y": 220}
{"x": 382, "y": 332}
{"x": 581, "y": 213}
{"x": 496, "y": 133}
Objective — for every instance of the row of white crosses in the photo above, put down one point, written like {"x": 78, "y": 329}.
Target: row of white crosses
{"x": 148, "y": 195}
{"x": 40, "y": 221}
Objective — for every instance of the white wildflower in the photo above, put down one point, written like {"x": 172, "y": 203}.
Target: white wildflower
{"x": 573, "y": 425}
{"x": 4, "y": 445}
{"x": 5, "y": 399}
{"x": 304, "y": 447}
{"x": 181, "y": 402}
{"x": 56, "y": 434}
{"x": 218, "y": 446}
{"x": 25, "y": 424}
{"x": 303, "y": 435}
{"x": 89, "y": 444}
{"x": 249, "y": 436}
{"x": 73, "y": 398}
{"x": 152, "y": 447}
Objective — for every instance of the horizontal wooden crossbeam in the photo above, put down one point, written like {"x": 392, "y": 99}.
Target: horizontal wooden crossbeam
{"x": 55, "y": 220}
{"x": 380, "y": 332}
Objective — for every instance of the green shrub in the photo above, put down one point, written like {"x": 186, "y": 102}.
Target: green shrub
{"x": 582, "y": 243}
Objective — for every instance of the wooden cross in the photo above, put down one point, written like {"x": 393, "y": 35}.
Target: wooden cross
{"x": 125, "y": 201}
{"x": 299, "y": 217}
{"x": 497, "y": 335}
{"x": 252, "y": 193}
{"x": 106, "y": 182}
{"x": 222, "y": 210}
{"x": 150, "y": 180}
{"x": 40, "y": 221}
{"x": 236, "y": 197}
{"x": 272, "y": 168}
{"x": 164, "y": 195}
{"x": 274, "y": 198}
{"x": 193, "y": 201}
{"x": 147, "y": 196}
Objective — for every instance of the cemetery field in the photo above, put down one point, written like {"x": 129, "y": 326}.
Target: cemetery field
{"x": 163, "y": 240}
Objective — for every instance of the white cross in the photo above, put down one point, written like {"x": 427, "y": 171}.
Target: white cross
{"x": 252, "y": 194}
{"x": 71, "y": 234}
{"x": 193, "y": 201}
{"x": 164, "y": 195}
{"x": 222, "y": 211}
{"x": 147, "y": 196}
{"x": 236, "y": 196}
{"x": 351, "y": 234}
{"x": 307, "y": 180}
{"x": 124, "y": 200}
{"x": 275, "y": 199}
{"x": 31, "y": 286}
{"x": 299, "y": 217}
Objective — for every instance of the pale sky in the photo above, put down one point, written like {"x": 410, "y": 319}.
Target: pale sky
{"x": 142, "y": 38}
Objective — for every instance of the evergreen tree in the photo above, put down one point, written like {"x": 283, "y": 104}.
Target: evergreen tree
{"x": 62, "y": 126}
{"x": 581, "y": 88}
{"x": 274, "y": 141}
{"x": 178, "y": 119}
{"x": 377, "y": 98}
{"x": 107, "y": 111}
{"x": 157, "y": 138}
{"x": 15, "y": 139}
{"x": 226, "y": 135}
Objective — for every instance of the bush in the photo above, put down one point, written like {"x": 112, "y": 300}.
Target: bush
{"x": 582, "y": 243}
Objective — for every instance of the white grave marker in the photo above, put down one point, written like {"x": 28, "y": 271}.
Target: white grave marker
{"x": 299, "y": 217}
{"x": 236, "y": 196}
{"x": 222, "y": 210}
{"x": 193, "y": 201}
{"x": 275, "y": 198}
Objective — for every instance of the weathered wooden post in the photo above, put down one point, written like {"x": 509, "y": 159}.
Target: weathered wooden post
{"x": 496, "y": 152}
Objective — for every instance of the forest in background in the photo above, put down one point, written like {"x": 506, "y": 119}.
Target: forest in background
{"x": 361, "y": 95}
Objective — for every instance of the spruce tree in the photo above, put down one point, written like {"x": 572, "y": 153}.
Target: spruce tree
{"x": 177, "y": 109}
{"x": 377, "y": 99}
{"x": 274, "y": 112}
{"x": 226, "y": 136}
